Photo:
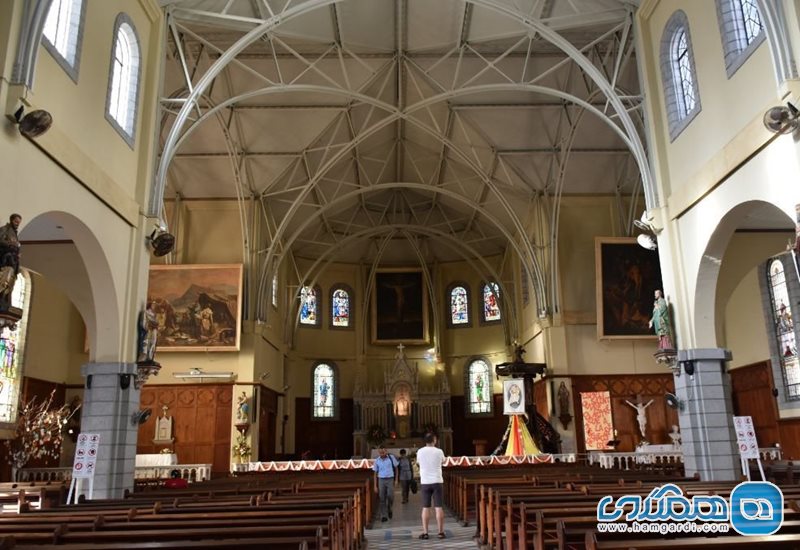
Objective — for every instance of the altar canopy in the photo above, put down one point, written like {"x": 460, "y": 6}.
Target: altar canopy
{"x": 520, "y": 441}
{"x": 403, "y": 407}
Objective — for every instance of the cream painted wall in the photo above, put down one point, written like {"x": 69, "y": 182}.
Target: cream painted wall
{"x": 78, "y": 109}
{"x": 55, "y": 338}
{"x": 745, "y": 332}
{"x": 744, "y": 253}
{"x": 727, "y": 105}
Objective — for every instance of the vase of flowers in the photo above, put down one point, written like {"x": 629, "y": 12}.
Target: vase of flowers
{"x": 241, "y": 449}
{"x": 38, "y": 432}
{"x": 375, "y": 435}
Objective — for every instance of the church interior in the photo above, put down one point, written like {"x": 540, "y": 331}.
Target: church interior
{"x": 334, "y": 219}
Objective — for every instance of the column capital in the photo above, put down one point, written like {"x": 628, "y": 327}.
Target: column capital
{"x": 704, "y": 354}
{"x": 108, "y": 368}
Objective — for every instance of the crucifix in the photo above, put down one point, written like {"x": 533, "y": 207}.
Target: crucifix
{"x": 400, "y": 348}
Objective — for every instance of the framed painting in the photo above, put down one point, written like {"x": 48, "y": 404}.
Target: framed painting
{"x": 198, "y": 307}
{"x": 627, "y": 277}
{"x": 513, "y": 396}
{"x": 399, "y": 307}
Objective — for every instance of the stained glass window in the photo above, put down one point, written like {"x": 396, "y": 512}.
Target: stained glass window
{"x": 479, "y": 389}
{"x": 459, "y": 306}
{"x": 324, "y": 394}
{"x": 491, "y": 302}
{"x": 340, "y": 307}
{"x": 784, "y": 329}
{"x": 12, "y": 344}
{"x": 309, "y": 305}
{"x": 275, "y": 291}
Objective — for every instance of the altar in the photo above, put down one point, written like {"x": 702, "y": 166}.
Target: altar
{"x": 402, "y": 408}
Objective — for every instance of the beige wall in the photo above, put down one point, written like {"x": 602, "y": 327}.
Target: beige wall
{"x": 728, "y": 106}
{"x": 54, "y": 345}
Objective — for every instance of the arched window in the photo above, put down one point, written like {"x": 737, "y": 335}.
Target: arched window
{"x": 123, "y": 86}
{"x": 490, "y": 295}
{"x": 63, "y": 34}
{"x": 12, "y": 346}
{"x": 783, "y": 322}
{"x": 478, "y": 390}
{"x": 324, "y": 391}
{"x": 678, "y": 74}
{"x": 275, "y": 291}
{"x": 341, "y": 306}
{"x": 310, "y": 305}
{"x": 742, "y": 31}
{"x": 458, "y": 314}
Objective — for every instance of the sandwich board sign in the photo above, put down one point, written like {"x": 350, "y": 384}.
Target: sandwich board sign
{"x": 86, "y": 449}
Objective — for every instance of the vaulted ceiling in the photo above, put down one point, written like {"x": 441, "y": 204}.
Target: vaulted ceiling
{"x": 422, "y": 130}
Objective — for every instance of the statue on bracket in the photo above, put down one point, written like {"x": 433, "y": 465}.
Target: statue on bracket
{"x": 9, "y": 269}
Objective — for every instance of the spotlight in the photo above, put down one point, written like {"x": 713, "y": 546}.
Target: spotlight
{"x": 673, "y": 402}
{"x": 646, "y": 241}
{"x": 140, "y": 417}
{"x": 34, "y": 124}
{"x": 161, "y": 242}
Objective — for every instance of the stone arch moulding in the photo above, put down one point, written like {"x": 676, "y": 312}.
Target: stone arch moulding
{"x": 705, "y": 326}
{"x": 84, "y": 275}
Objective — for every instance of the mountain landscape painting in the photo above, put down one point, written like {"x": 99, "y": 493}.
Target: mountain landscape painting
{"x": 198, "y": 307}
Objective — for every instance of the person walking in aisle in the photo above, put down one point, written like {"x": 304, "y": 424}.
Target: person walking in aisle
{"x": 385, "y": 468}
{"x": 430, "y": 459}
{"x": 406, "y": 474}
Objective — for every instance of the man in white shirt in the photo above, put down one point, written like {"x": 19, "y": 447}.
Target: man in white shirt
{"x": 430, "y": 459}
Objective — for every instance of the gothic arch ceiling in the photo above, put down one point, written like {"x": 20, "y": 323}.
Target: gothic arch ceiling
{"x": 448, "y": 116}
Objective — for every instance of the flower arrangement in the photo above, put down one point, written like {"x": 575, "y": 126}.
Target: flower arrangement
{"x": 376, "y": 434}
{"x": 38, "y": 433}
{"x": 241, "y": 448}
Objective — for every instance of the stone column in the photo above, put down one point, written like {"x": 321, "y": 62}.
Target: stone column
{"x": 110, "y": 398}
{"x": 706, "y": 415}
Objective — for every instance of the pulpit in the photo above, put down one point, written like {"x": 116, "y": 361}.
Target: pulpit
{"x": 401, "y": 408}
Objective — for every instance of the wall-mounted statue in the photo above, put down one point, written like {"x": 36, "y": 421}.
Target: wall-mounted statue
{"x": 9, "y": 259}
{"x": 662, "y": 323}
{"x": 148, "y": 336}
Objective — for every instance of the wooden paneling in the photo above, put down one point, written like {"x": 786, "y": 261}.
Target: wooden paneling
{"x": 622, "y": 388}
{"x": 324, "y": 438}
{"x": 752, "y": 396}
{"x": 789, "y": 431}
{"x": 201, "y": 422}
{"x": 267, "y": 425}
{"x": 469, "y": 428}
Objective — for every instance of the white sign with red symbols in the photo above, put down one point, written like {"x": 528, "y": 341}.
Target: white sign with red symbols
{"x": 745, "y": 437}
{"x": 85, "y": 455}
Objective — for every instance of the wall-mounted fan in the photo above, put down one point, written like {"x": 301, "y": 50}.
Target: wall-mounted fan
{"x": 782, "y": 119}
{"x": 140, "y": 417}
{"x": 673, "y": 402}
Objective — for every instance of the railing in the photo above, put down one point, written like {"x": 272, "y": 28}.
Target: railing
{"x": 366, "y": 463}
{"x": 625, "y": 460}
{"x": 191, "y": 472}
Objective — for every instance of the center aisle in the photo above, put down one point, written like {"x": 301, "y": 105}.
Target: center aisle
{"x": 403, "y": 530}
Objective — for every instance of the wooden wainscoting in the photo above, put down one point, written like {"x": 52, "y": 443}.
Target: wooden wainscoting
{"x": 201, "y": 422}
{"x": 622, "y": 387}
{"x": 466, "y": 429}
{"x": 752, "y": 396}
{"x": 324, "y": 438}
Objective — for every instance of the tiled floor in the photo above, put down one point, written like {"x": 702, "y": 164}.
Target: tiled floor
{"x": 402, "y": 531}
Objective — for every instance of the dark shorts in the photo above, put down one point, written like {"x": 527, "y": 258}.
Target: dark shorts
{"x": 431, "y": 491}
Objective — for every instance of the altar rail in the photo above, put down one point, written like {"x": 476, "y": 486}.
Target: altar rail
{"x": 610, "y": 460}
{"x": 190, "y": 472}
{"x": 366, "y": 463}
